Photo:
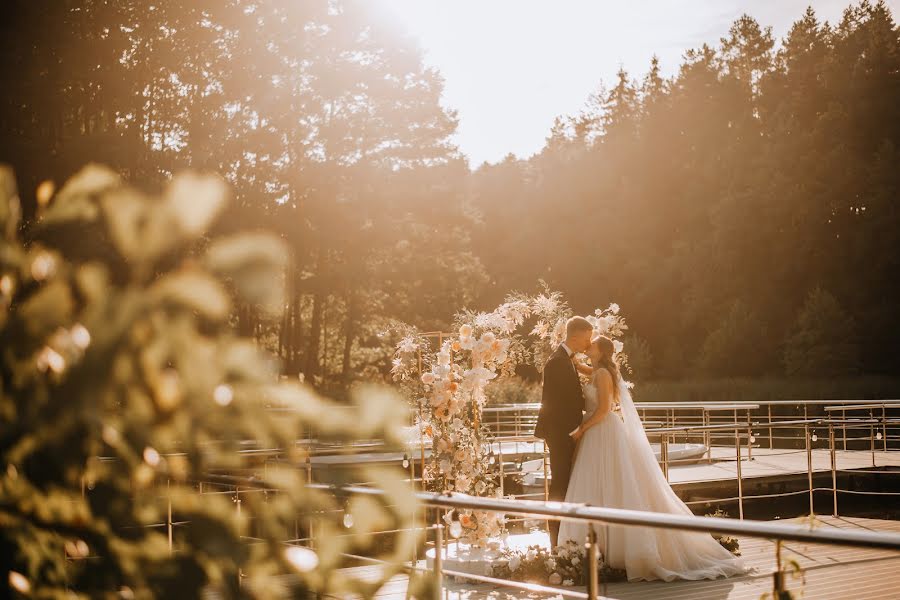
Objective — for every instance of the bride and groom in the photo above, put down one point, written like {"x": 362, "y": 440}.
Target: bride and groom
{"x": 600, "y": 455}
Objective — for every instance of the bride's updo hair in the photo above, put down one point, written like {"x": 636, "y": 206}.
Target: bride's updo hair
{"x": 607, "y": 361}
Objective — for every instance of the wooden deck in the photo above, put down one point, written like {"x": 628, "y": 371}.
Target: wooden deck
{"x": 828, "y": 572}
{"x": 775, "y": 463}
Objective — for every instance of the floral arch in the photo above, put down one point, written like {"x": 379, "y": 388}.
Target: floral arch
{"x": 448, "y": 385}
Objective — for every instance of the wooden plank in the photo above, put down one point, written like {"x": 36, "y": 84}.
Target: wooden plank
{"x": 830, "y": 572}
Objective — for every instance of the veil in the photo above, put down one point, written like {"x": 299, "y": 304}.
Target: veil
{"x": 640, "y": 445}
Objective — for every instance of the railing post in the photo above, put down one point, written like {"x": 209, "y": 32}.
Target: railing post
{"x": 778, "y": 587}
{"x": 771, "y": 430}
{"x": 844, "y": 426}
{"x": 707, "y": 436}
{"x": 237, "y": 507}
{"x": 884, "y": 427}
{"x": 500, "y": 461}
{"x": 438, "y": 561}
{"x": 415, "y": 512}
{"x": 872, "y": 433}
{"x": 740, "y": 483}
{"x": 833, "y": 469}
{"x": 546, "y": 474}
{"x": 809, "y": 468}
{"x": 169, "y": 526}
{"x": 422, "y": 439}
{"x": 592, "y": 564}
{"x": 664, "y": 454}
{"x": 749, "y": 436}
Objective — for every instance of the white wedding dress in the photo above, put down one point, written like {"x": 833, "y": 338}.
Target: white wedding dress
{"x": 616, "y": 468}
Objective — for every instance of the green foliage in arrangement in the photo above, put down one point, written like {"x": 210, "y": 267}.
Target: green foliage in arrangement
{"x": 122, "y": 386}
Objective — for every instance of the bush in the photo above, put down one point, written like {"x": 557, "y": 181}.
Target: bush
{"x": 768, "y": 388}
{"x": 513, "y": 390}
{"x": 126, "y": 354}
{"x": 737, "y": 346}
{"x": 823, "y": 341}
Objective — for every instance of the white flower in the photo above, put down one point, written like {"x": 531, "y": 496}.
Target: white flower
{"x": 546, "y": 304}
{"x": 555, "y": 579}
{"x": 563, "y": 553}
{"x": 617, "y": 346}
{"x": 445, "y": 466}
{"x": 408, "y": 345}
{"x": 576, "y": 561}
{"x": 466, "y": 342}
{"x": 443, "y": 358}
{"x": 428, "y": 378}
{"x": 602, "y": 324}
{"x": 488, "y": 337}
{"x": 514, "y": 563}
{"x": 477, "y": 377}
{"x": 465, "y": 331}
{"x": 530, "y": 555}
{"x": 568, "y": 582}
{"x": 550, "y": 564}
{"x": 541, "y": 329}
{"x": 613, "y": 308}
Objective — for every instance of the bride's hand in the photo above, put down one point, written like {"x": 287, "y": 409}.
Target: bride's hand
{"x": 576, "y": 433}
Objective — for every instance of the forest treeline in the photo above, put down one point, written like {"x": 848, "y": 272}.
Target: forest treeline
{"x": 743, "y": 212}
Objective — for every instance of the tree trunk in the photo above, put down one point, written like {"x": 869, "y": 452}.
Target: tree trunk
{"x": 315, "y": 336}
{"x": 349, "y": 335}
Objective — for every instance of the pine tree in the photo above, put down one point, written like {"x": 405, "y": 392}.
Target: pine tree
{"x": 823, "y": 341}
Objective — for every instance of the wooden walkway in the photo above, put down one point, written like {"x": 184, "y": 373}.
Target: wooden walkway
{"x": 776, "y": 463}
{"x": 829, "y": 572}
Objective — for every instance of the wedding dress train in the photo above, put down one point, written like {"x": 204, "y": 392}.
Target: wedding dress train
{"x": 616, "y": 468}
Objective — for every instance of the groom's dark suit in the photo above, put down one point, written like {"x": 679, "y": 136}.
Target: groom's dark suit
{"x": 562, "y": 403}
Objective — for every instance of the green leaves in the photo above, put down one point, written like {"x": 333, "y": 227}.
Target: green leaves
{"x": 194, "y": 201}
{"x": 194, "y": 290}
{"x": 141, "y": 368}
{"x": 51, "y": 307}
{"x": 255, "y": 264}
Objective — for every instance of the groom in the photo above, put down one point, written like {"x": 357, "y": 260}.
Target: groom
{"x": 562, "y": 403}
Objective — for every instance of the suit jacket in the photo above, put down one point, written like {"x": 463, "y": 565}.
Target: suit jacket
{"x": 562, "y": 400}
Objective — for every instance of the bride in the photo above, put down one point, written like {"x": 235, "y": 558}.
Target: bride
{"x": 616, "y": 468}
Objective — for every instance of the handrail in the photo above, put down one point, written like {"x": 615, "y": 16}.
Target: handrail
{"x": 580, "y": 512}
{"x": 740, "y": 404}
{"x": 862, "y": 406}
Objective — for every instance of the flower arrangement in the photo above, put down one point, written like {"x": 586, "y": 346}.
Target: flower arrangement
{"x": 448, "y": 386}
{"x": 728, "y": 542}
{"x": 537, "y": 564}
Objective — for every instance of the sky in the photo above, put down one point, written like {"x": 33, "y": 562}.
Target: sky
{"x": 512, "y": 66}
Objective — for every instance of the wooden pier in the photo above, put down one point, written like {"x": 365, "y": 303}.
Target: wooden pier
{"x": 828, "y": 572}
